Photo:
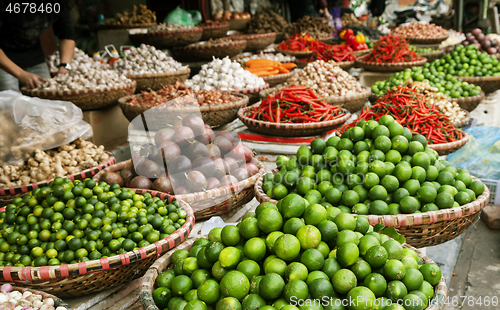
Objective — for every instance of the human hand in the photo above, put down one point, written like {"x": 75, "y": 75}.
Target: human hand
{"x": 31, "y": 80}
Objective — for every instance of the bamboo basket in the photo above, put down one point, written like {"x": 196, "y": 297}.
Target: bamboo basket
{"x": 238, "y": 24}
{"x": 205, "y": 51}
{"x": 488, "y": 84}
{"x": 450, "y": 147}
{"x": 128, "y": 26}
{"x": 147, "y": 285}
{"x": 58, "y": 302}
{"x": 70, "y": 280}
{"x": 388, "y": 67}
{"x": 256, "y": 42}
{"x": 8, "y": 194}
{"x": 422, "y": 40}
{"x": 213, "y": 115}
{"x": 346, "y": 65}
{"x": 158, "y": 80}
{"x": 214, "y": 31}
{"x": 274, "y": 80}
{"x": 212, "y": 202}
{"x": 291, "y": 129}
{"x": 433, "y": 56}
{"x": 362, "y": 52}
{"x": 294, "y": 53}
{"x": 420, "y": 229}
{"x": 253, "y": 94}
{"x": 469, "y": 103}
{"x": 164, "y": 39}
{"x": 89, "y": 99}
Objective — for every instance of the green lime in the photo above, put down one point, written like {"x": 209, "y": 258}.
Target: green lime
{"x": 292, "y": 225}
{"x": 249, "y": 267}
{"x": 310, "y": 236}
{"x": 252, "y": 302}
{"x": 364, "y": 298}
{"x": 228, "y": 303}
{"x": 271, "y": 286}
{"x": 235, "y": 284}
{"x": 312, "y": 259}
{"x": 347, "y": 254}
{"x": 254, "y": 249}
{"x": 295, "y": 290}
{"x": 394, "y": 270}
{"x": 412, "y": 302}
{"x": 344, "y": 221}
{"x": 343, "y": 281}
{"x": 376, "y": 256}
{"x": 314, "y": 214}
{"x": 413, "y": 279}
{"x": 431, "y": 273}
{"x": 181, "y": 285}
{"x": 444, "y": 200}
{"x": 396, "y": 290}
{"x": 477, "y": 187}
{"x": 376, "y": 283}
{"x": 361, "y": 269}
{"x": 269, "y": 220}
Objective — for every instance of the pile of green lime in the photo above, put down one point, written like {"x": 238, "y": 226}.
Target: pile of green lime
{"x": 420, "y": 50}
{"x": 467, "y": 61}
{"x": 292, "y": 256}
{"x": 373, "y": 168}
{"x": 76, "y": 221}
{"x": 432, "y": 74}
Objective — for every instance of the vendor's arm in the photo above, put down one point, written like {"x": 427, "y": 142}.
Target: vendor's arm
{"x": 63, "y": 29}
{"x": 26, "y": 78}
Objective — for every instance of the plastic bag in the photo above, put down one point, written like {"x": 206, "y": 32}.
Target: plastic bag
{"x": 481, "y": 155}
{"x": 183, "y": 17}
{"x": 28, "y": 123}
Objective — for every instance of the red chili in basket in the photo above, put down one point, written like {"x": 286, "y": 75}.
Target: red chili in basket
{"x": 321, "y": 50}
{"x": 295, "y": 104}
{"x": 391, "y": 49}
{"x": 409, "y": 108}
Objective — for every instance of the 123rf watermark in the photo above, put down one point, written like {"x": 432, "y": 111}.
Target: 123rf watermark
{"x": 471, "y": 301}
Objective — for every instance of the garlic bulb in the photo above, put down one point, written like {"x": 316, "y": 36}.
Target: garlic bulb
{"x": 147, "y": 60}
{"x": 271, "y": 56}
{"x": 79, "y": 57}
{"x": 225, "y": 75}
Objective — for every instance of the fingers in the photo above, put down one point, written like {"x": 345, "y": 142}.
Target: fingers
{"x": 37, "y": 80}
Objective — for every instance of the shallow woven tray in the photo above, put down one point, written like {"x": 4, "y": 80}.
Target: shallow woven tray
{"x": 212, "y": 202}
{"x": 417, "y": 40}
{"x": 158, "y": 80}
{"x": 291, "y": 129}
{"x": 147, "y": 285}
{"x": 464, "y": 121}
{"x": 488, "y": 84}
{"x": 84, "y": 278}
{"x": 164, "y": 39}
{"x": 293, "y": 53}
{"x": 388, "y": 67}
{"x": 256, "y": 42}
{"x": 238, "y": 24}
{"x": 214, "y": 31}
{"x": 58, "y": 302}
{"x": 420, "y": 229}
{"x": 469, "y": 103}
{"x": 8, "y": 194}
{"x": 432, "y": 56}
{"x": 274, "y": 80}
{"x": 252, "y": 94}
{"x": 213, "y": 115}
{"x": 450, "y": 147}
{"x": 128, "y": 26}
{"x": 346, "y": 65}
{"x": 361, "y": 52}
{"x": 89, "y": 99}
{"x": 205, "y": 51}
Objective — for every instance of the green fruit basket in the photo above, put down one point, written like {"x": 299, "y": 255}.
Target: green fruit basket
{"x": 420, "y": 229}
{"x": 83, "y": 278}
{"x": 148, "y": 281}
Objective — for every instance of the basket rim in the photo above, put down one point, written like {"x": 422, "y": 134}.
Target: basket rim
{"x": 242, "y": 56}
{"x": 473, "y": 79}
{"x": 104, "y": 264}
{"x": 457, "y": 100}
{"x": 293, "y": 53}
{"x": 126, "y": 26}
{"x": 340, "y": 64}
{"x": 253, "y": 36}
{"x": 54, "y": 92}
{"x": 404, "y": 220}
{"x": 339, "y": 119}
{"x": 123, "y": 101}
{"x": 4, "y": 191}
{"x": 204, "y": 46}
{"x": 451, "y": 145}
{"x": 418, "y": 39}
{"x": 164, "y": 74}
{"x": 364, "y": 64}
{"x": 438, "y": 52}
{"x": 45, "y": 295}
{"x": 162, "y": 33}
{"x": 272, "y": 78}
{"x": 215, "y": 26}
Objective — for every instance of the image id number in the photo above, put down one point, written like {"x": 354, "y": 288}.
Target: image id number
{"x": 471, "y": 301}
{"x": 27, "y": 7}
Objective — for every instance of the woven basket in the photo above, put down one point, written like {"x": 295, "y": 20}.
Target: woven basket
{"x": 256, "y": 42}
{"x": 294, "y": 53}
{"x": 387, "y": 67}
{"x": 346, "y": 65}
{"x": 280, "y": 36}
{"x": 213, "y": 202}
{"x": 274, "y": 80}
{"x": 164, "y": 39}
{"x": 450, "y": 147}
{"x": 488, "y": 84}
{"x": 128, "y": 26}
{"x": 147, "y": 285}
{"x": 417, "y": 40}
{"x": 291, "y": 129}
{"x": 362, "y": 52}
{"x": 420, "y": 229}
{"x": 213, "y": 115}
{"x": 432, "y": 56}
{"x": 205, "y": 51}
{"x": 214, "y": 31}
{"x": 158, "y": 80}
{"x": 464, "y": 121}
{"x": 253, "y": 94}
{"x": 84, "y": 278}
{"x": 58, "y": 302}
{"x": 89, "y": 99}
{"x": 469, "y": 103}
{"x": 8, "y": 194}
{"x": 238, "y": 24}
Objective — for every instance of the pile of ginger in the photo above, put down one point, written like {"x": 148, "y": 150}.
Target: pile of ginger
{"x": 44, "y": 165}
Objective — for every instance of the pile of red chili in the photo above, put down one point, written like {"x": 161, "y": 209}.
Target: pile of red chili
{"x": 409, "y": 108}
{"x": 321, "y": 50}
{"x": 391, "y": 49}
{"x": 296, "y": 104}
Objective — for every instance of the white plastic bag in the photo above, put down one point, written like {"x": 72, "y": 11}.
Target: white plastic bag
{"x": 28, "y": 123}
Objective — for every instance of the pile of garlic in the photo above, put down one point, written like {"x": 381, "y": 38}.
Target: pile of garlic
{"x": 225, "y": 75}
{"x": 146, "y": 59}
{"x": 271, "y": 56}
{"x": 16, "y": 300}
{"x": 169, "y": 27}
{"x": 79, "y": 57}
{"x": 326, "y": 78}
